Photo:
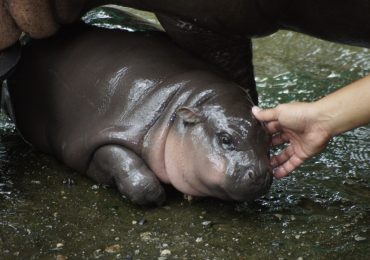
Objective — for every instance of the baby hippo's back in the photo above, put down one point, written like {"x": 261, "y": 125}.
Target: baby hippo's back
{"x": 87, "y": 86}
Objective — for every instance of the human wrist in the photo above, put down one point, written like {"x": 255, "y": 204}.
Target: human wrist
{"x": 346, "y": 108}
{"x": 323, "y": 118}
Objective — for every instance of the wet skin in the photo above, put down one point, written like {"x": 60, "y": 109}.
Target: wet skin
{"x": 342, "y": 21}
{"x": 134, "y": 110}
{"x": 337, "y": 20}
{"x": 218, "y": 31}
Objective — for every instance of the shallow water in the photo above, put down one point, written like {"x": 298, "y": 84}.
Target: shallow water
{"x": 321, "y": 211}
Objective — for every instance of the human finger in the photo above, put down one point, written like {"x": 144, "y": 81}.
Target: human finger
{"x": 282, "y": 157}
{"x": 9, "y": 31}
{"x": 34, "y": 17}
{"x": 289, "y": 166}
{"x": 273, "y": 127}
{"x": 279, "y": 138}
{"x": 265, "y": 115}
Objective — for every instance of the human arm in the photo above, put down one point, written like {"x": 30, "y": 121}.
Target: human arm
{"x": 308, "y": 127}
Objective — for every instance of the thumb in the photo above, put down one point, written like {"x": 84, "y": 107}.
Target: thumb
{"x": 265, "y": 114}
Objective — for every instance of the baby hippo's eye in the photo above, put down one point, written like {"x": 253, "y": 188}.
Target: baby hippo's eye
{"x": 225, "y": 140}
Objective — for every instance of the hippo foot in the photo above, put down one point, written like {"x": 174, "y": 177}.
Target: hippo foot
{"x": 113, "y": 164}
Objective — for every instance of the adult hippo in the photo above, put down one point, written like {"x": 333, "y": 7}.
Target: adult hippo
{"x": 216, "y": 30}
{"x": 337, "y": 20}
{"x": 133, "y": 110}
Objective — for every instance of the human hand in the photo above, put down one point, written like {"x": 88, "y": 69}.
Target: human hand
{"x": 38, "y": 18}
{"x": 301, "y": 127}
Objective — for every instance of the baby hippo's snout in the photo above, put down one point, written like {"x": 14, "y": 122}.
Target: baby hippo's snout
{"x": 247, "y": 183}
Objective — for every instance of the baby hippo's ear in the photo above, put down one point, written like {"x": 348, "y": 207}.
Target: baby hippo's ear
{"x": 190, "y": 115}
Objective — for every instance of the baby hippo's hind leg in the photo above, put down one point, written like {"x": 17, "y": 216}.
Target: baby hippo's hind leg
{"x": 115, "y": 164}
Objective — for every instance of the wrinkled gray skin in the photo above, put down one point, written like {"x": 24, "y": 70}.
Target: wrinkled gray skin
{"x": 134, "y": 110}
{"x": 345, "y": 21}
{"x": 218, "y": 31}
{"x": 336, "y": 20}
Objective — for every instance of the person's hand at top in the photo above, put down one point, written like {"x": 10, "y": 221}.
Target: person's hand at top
{"x": 38, "y": 18}
{"x": 307, "y": 128}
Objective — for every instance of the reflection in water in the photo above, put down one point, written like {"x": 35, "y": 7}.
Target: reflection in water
{"x": 321, "y": 211}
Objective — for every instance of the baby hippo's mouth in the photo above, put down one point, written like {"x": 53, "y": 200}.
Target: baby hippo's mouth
{"x": 248, "y": 184}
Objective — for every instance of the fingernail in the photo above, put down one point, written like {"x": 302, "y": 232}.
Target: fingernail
{"x": 256, "y": 109}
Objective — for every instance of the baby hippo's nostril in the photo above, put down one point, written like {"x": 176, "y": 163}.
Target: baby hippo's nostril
{"x": 250, "y": 174}
{"x": 258, "y": 174}
{"x": 255, "y": 171}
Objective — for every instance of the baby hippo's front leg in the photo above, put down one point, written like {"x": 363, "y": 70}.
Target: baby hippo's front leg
{"x": 116, "y": 164}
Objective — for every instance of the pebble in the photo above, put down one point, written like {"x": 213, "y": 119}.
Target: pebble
{"x": 207, "y": 223}
{"x": 188, "y": 198}
{"x": 60, "y": 257}
{"x": 69, "y": 182}
{"x": 146, "y": 236}
{"x": 59, "y": 245}
{"x": 359, "y": 238}
{"x": 97, "y": 253}
{"x": 279, "y": 216}
{"x": 142, "y": 221}
{"x": 199, "y": 239}
{"x": 113, "y": 248}
{"x": 165, "y": 252}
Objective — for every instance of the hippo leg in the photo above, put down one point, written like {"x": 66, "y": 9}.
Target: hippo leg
{"x": 116, "y": 164}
